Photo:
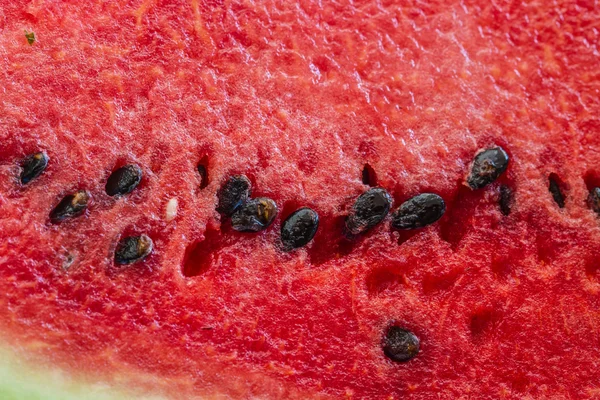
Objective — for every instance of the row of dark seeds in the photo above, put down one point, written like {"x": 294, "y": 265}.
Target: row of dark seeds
{"x": 249, "y": 214}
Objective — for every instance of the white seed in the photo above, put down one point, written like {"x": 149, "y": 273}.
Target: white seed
{"x": 171, "y": 209}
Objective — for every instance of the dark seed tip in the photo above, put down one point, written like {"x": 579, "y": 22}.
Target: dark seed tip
{"x": 33, "y": 166}
{"x": 487, "y": 166}
{"x": 505, "y": 200}
{"x": 555, "y": 191}
{"x": 299, "y": 228}
{"x": 594, "y": 200}
{"x": 132, "y": 249}
{"x": 400, "y": 345}
{"x": 203, "y": 172}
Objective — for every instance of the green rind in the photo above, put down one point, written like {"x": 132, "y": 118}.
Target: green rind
{"x": 22, "y": 381}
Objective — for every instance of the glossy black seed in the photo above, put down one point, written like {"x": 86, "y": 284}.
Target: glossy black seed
{"x": 132, "y": 249}
{"x": 369, "y": 210}
{"x": 32, "y": 166}
{"x": 487, "y": 166}
{"x": 299, "y": 228}
{"x": 233, "y": 193}
{"x": 594, "y": 200}
{"x": 72, "y": 205}
{"x": 123, "y": 180}
{"x": 557, "y": 194}
{"x": 399, "y": 344}
{"x": 419, "y": 211}
{"x": 254, "y": 216}
{"x": 203, "y": 171}
{"x": 505, "y": 200}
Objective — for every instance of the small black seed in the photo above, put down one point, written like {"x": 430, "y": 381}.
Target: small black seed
{"x": 594, "y": 200}
{"x": 505, "y": 200}
{"x": 203, "y": 176}
{"x": 369, "y": 210}
{"x": 419, "y": 211}
{"x": 233, "y": 193}
{"x": 557, "y": 194}
{"x": 299, "y": 228}
{"x": 254, "y": 216}
{"x": 487, "y": 166}
{"x": 400, "y": 345}
{"x": 32, "y": 166}
{"x": 123, "y": 180}
{"x": 132, "y": 249}
{"x": 72, "y": 205}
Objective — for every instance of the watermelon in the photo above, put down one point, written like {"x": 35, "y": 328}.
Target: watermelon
{"x": 415, "y": 210}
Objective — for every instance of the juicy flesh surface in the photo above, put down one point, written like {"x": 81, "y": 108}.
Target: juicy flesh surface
{"x": 299, "y": 96}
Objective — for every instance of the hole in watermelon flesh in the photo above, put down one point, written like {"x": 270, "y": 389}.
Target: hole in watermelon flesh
{"x": 439, "y": 283}
{"x": 456, "y": 222}
{"x": 200, "y": 255}
{"x": 483, "y": 321}
{"x": 203, "y": 172}
{"x": 384, "y": 280}
{"x": 329, "y": 242}
{"x": 592, "y": 266}
{"x": 557, "y": 189}
{"x": 368, "y": 176}
{"x": 592, "y": 180}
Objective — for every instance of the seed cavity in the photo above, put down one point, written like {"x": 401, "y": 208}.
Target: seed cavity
{"x": 233, "y": 194}
{"x": 33, "y": 166}
{"x": 487, "y": 166}
{"x": 506, "y": 200}
{"x": 419, "y": 211}
{"x": 132, "y": 249}
{"x": 554, "y": 188}
{"x": 171, "y": 209}
{"x": 299, "y": 228}
{"x": 399, "y": 344}
{"x": 594, "y": 200}
{"x": 254, "y": 216}
{"x": 369, "y": 177}
{"x": 203, "y": 172}
{"x": 368, "y": 210}
{"x": 71, "y": 206}
{"x": 123, "y": 180}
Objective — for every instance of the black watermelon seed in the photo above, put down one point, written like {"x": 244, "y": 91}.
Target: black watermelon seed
{"x": 123, "y": 180}
{"x": 506, "y": 200}
{"x": 370, "y": 209}
{"x": 32, "y": 166}
{"x": 400, "y": 345}
{"x": 203, "y": 176}
{"x": 299, "y": 228}
{"x": 419, "y": 211}
{"x": 557, "y": 194}
{"x": 233, "y": 193}
{"x": 72, "y": 205}
{"x": 254, "y": 216}
{"x": 487, "y": 166}
{"x": 594, "y": 200}
{"x": 132, "y": 249}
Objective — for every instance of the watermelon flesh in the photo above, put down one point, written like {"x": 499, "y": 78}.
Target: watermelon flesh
{"x": 302, "y": 97}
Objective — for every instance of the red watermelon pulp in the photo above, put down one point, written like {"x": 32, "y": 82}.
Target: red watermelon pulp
{"x": 314, "y": 102}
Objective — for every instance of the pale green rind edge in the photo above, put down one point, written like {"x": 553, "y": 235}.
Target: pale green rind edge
{"x": 21, "y": 381}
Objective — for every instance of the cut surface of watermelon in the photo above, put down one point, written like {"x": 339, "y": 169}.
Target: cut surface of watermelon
{"x": 316, "y": 103}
